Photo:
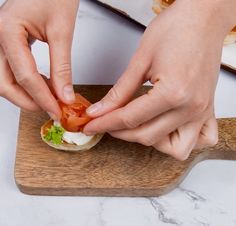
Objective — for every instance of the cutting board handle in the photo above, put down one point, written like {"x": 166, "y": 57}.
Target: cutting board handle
{"x": 227, "y": 134}
{"x": 226, "y": 146}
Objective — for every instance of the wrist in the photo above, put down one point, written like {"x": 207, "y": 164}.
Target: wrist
{"x": 217, "y": 15}
{"x": 225, "y": 10}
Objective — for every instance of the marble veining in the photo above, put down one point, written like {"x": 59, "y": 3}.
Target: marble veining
{"x": 192, "y": 195}
{"x": 162, "y": 212}
{"x": 102, "y": 221}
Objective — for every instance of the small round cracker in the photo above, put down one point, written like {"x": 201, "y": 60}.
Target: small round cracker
{"x": 66, "y": 146}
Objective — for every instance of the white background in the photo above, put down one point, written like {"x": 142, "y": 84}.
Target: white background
{"x": 103, "y": 44}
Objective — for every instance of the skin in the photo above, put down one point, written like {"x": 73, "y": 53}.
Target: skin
{"x": 22, "y": 22}
{"x": 181, "y": 57}
{"x": 178, "y": 54}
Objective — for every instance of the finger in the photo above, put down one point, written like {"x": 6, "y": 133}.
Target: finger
{"x": 49, "y": 84}
{"x": 180, "y": 143}
{"x": 15, "y": 94}
{"x": 24, "y": 68}
{"x": 12, "y": 91}
{"x": 124, "y": 89}
{"x": 60, "y": 64}
{"x": 132, "y": 115}
{"x": 154, "y": 130}
{"x": 209, "y": 134}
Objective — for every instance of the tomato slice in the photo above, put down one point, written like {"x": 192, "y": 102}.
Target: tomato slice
{"x": 82, "y": 100}
{"x": 74, "y": 116}
{"x": 76, "y": 123}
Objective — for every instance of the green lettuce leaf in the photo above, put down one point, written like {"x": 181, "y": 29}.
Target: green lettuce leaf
{"x": 55, "y": 134}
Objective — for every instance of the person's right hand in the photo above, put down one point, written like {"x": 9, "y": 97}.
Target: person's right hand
{"x": 22, "y": 22}
{"x": 180, "y": 54}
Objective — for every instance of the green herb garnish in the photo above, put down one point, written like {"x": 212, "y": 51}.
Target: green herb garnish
{"x": 55, "y": 134}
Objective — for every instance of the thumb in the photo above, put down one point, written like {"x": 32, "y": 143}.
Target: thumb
{"x": 122, "y": 92}
{"x": 60, "y": 68}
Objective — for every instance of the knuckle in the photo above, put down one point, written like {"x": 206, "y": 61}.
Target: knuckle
{"x": 179, "y": 97}
{"x": 146, "y": 141}
{"x": 180, "y": 155}
{"x": 211, "y": 139}
{"x": 22, "y": 80}
{"x": 113, "y": 96}
{"x": 175, "y": 95}
{"x": 129, "y": 122}
{"x": 63, "y": 71}
{"x": 59, "y": 35}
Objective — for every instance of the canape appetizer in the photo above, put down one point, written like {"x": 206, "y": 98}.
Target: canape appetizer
{"x": 68, "y": 134}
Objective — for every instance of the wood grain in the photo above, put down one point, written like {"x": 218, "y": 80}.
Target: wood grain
{"x": 112, "y": 168}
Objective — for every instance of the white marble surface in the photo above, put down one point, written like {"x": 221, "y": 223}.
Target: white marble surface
{"x": 103, "y": 44}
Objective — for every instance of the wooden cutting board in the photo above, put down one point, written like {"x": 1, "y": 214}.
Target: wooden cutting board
{"x": 112, "y": 168}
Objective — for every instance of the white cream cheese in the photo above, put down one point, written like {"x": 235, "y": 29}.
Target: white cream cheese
{"x": 77, "y": 138}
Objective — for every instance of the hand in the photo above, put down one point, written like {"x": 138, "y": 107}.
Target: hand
{"x": 181, "y": 57}
{"x": 21, "y": 22}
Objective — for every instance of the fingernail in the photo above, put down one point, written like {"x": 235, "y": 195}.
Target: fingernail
{"x": 94, "y": 108}
{"x": 53, "y": 116}
{"x": 69, "y": 94}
